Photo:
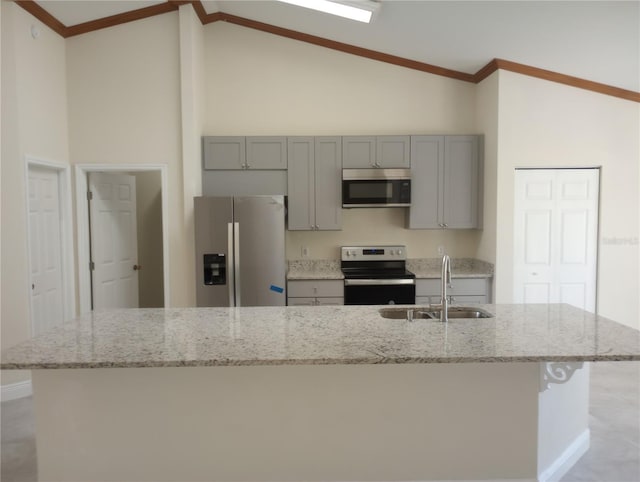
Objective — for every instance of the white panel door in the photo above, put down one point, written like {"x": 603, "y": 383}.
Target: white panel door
{"x": 555, "y": 237}
{"x": 114, "y": 240}
{"x": 47, "y": 295}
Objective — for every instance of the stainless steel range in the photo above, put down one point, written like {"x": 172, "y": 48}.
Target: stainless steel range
{"x": 377, "y": 275}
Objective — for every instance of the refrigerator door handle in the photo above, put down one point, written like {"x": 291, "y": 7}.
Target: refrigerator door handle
{"x": 236, "y": 261}
{"x": 230, "y": 264}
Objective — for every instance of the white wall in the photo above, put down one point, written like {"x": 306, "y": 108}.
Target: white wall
{"x": 192, "y": 94}
{"x": 34, "y": 123}
{"x": 262, "y": 84}
{"x": 544, "y": 124}
{"x": 487, "y": 101}
{"x": 149, "y": 224}
{"x": 124, "y": 108}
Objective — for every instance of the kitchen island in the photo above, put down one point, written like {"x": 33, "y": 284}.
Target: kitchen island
{"x": 315, "y": 393}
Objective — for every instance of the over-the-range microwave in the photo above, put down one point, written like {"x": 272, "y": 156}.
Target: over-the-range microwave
{"x": 366, "y": 188}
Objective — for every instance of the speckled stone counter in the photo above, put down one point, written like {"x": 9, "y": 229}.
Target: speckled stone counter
{"x": 322, "y": 335}
{"x": 422, "y": 267}
{"x": 460, "y": 268}
{"x": 331, "y": 393}
{"x": 301, "y": 269}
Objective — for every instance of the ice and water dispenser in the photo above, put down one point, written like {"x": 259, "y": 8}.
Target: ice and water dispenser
{"x": 215, "y": 269}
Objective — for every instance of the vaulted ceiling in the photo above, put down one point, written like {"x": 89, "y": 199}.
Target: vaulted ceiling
{"x": 598, "y": 41}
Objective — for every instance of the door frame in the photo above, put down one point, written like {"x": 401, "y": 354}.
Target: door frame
{"x": 82, "y": 214}
{"x": 63, "y": 172}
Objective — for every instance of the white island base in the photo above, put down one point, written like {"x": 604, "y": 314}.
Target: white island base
{"x": 387, "y": 422}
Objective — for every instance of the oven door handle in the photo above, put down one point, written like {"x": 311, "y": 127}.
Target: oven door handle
{"x": 380, "y": 282}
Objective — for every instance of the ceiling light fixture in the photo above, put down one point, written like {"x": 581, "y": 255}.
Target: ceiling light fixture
{"x": 360, "y": 10}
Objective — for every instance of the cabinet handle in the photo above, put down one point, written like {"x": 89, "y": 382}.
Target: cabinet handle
{"x": 445, "y": 225}
{"x": 317, "y": 227}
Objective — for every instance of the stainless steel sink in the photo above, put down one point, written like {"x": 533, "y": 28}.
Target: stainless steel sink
{"x": 433, "y": 313}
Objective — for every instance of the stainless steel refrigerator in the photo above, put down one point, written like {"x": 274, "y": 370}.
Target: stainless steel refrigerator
{"x": 240, "y": 253}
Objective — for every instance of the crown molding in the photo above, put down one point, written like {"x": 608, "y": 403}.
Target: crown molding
{"x": 347, "y": 48}
{"x": 45, "y": 17}
{"x": 206, "y": 18}
{"x": 501, "y": 64}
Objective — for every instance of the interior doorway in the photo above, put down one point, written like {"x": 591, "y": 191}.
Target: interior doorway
{"x": 50, "y": 244}
{"x": 108, "y": 224}
{"x": 556, "y": 236}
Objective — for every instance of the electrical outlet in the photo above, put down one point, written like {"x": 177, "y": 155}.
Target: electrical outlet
{"x": 305, "y": 251}
{"x": 440, "y": 250}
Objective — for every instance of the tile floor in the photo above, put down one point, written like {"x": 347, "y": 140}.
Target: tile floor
{"x": 614, "y": 455}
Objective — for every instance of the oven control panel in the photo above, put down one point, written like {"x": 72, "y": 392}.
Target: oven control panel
{"x": 373, "y": 253}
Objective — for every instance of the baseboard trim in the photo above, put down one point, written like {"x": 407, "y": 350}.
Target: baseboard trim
{"x": 567, "y": 459}
{"x": 13, "y": 391}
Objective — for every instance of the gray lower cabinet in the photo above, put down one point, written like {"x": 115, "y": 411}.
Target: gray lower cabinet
{"x": 462, "y": 290}
{"x": 362, "y": 152}
{"x": 445, "y": 182}
{"x": 315, "y": 292}
{"x": 238, "y": 152}
{"x": 314, "y": 183}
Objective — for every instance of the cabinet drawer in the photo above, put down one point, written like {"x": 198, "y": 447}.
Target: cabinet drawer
{"x": 315, "y": 288}
{"x": 322, "y": 301}
{"x": 331, "y": 301}
{"x": 434, "y": 300}
{"x": 459, "y": 286}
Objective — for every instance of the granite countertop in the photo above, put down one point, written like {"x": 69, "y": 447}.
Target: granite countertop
{"x": 301, "y": 269}
{"x": 422, "y": 267}
{"x": 305, "y": 335}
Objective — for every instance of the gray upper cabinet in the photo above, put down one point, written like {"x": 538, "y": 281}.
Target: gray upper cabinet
{"x": 266, "y": 152}
{"x": 235, "y": 152}
{"x": 461, "y": 182}
{"x": 445, "y": 175}
{"x": 367, "y": 152}
{"x": 314, "y": 183}
{"x": 223, "y": 152}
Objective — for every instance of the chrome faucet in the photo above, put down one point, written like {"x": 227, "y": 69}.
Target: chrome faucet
{"x": 445, "y": 280}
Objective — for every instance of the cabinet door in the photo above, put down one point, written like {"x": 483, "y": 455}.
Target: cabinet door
{"x": 301, "y": 183}
{"x": 393, "y": 151}
{"x": 427, "y": 156}
{"x": 223, "y": 152}
{"x": 266, "y": 152}
{"x": 461, "y": 177}
{"x": 358, "y": 152}
{"x": 328, "y": 182}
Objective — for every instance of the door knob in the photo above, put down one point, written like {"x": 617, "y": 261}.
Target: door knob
{"x": 137, "y": 267}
